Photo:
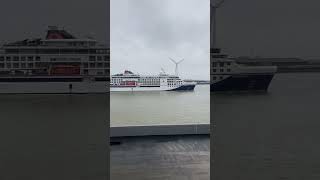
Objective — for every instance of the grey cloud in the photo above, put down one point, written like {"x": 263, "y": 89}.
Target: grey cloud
{"x": 145, "y": 32}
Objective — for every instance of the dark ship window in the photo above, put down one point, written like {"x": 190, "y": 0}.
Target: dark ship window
{"x": 92, "y": 58}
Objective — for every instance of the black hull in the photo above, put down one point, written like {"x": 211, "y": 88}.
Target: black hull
{"x": 184, "y": 88}
{"x": 250, "y": 82}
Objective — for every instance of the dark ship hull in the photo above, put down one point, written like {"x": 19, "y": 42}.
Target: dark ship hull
{"x": 243, "y": 82}
{"x": 189, "y": 87}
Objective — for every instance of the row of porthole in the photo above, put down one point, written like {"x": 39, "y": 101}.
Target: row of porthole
{"x": 19, "y": 58}
{"x": 16, "y": 65}
{"x": 221, "y": 70}
{"x": 221, "y": 64}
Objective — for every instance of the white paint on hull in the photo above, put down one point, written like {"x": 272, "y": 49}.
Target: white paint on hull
{"x": 133, "y": 89}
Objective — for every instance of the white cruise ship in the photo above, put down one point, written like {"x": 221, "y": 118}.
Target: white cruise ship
{"x": 59, "y": 63}
{"x": 129, "y": 81}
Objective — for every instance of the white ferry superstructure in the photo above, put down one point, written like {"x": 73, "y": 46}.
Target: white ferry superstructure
{"x": 60, "y": 63}
{"x": 129, "y": 81}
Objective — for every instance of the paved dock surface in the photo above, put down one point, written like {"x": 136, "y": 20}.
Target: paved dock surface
{"x": 161, "y": 158}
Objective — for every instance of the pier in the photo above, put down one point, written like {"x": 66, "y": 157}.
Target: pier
{"x": 160, "y": 152}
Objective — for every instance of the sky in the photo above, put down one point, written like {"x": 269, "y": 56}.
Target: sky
{"x": 145, "y": 33}
{"x": 272, "y": 28}
{"x": 22, "y": 19}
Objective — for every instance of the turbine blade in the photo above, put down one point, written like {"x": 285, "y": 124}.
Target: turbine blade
{"x": 172, "y": 60}
{"x": 180, "y": 61}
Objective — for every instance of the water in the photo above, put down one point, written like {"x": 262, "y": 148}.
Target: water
{"x": 53, "y": 136}
{"x": 160, "y": 108}
{"x": 257, "y": 136}
{"x": 268, "y": 136}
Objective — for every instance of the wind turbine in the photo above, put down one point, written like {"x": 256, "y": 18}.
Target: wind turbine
{"x": 214, "y": 7}
{"x": 177, "y": 63}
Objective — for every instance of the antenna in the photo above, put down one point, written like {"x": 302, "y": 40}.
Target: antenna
{"x": 214, "y": 7}
{"x": 177, "y": 63}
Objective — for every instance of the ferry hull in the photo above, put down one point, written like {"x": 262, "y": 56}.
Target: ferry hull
{"x": 133, "y": 89}
{"x": 250, "y": 82}
{"x": 137, "y": 89}
{"x": 185, "y": 88}
{"x": 54, "y": 87}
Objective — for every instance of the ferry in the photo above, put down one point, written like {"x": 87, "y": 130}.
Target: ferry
{"x": 129, "y": 81}
{"x": 58, "y": 63}
{"x": 227, "y": 75}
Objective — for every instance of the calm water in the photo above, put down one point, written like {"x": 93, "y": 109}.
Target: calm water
{"x": 257, "y": 136}
{"x": 269, "y": 136}
{"x": 53, "y": 136}
{"x": 156, "y": 108}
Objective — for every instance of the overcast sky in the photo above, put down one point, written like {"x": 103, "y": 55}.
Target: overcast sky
{"x": 22, "y": 19}
{"x": 276, "y": 28}
{"x": 144, "y": 33}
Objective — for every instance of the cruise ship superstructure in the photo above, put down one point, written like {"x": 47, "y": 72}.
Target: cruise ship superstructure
{"x": 59, "y": 63}
{"x": 227, "y": 75}
{"x": 128, "y": 81}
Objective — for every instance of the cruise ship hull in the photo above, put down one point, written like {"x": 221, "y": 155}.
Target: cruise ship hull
{"x": 243, "y": 82}
{"x": 134, "y": 89}
{"x": 54, "y": 87}
{"x": 189, "y": 87}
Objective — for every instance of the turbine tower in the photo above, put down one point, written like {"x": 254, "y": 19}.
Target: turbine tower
{"x": 214, "y": 4}
{"x": 176, "y": 63}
